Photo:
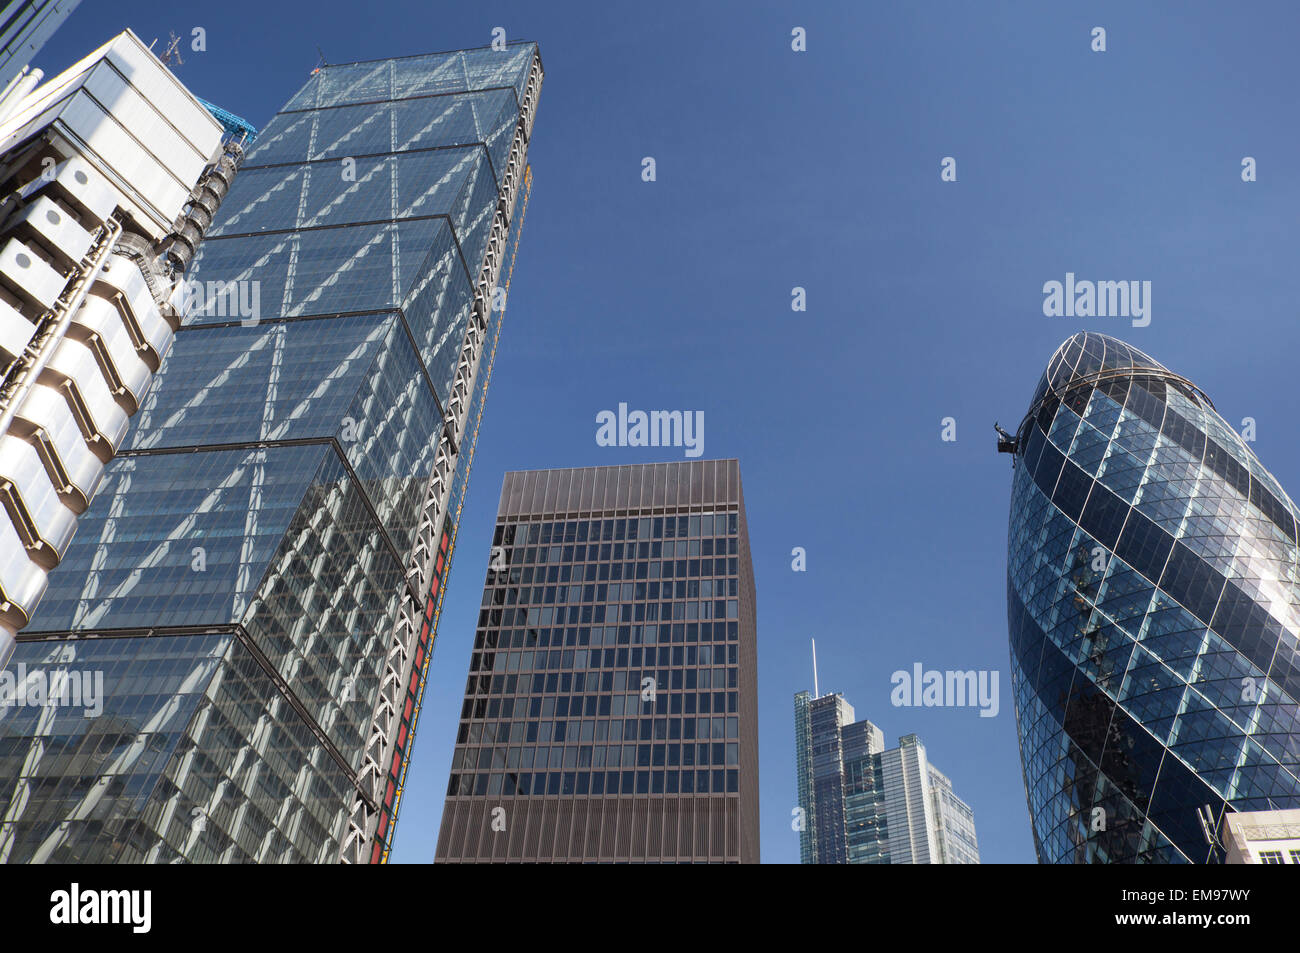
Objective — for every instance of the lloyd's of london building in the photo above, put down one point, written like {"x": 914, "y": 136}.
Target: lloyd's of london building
{"x": 1154, "y": 610}
{"x": 103, "y": 205}
{"x": 259, "y": 579}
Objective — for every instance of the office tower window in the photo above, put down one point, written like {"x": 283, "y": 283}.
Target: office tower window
{"x": 608, "y": 711}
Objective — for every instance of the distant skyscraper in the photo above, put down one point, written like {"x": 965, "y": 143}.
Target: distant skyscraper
{"x": 25, "y": 26}
{"x": 611, "y": 709}
{"x": 1154, "y": 611}
{"x": 864, "y": 804}
{"x": 263, "y": 571}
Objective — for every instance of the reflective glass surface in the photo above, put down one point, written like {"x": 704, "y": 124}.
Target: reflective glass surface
{"x": 243, "y": 566}
{"x": 411, "y": 76}
{"x": 179, "y": 762}
{"x": 1154, "y": 609}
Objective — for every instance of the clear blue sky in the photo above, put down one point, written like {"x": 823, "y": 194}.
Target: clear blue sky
{"x": 821, "y": 169}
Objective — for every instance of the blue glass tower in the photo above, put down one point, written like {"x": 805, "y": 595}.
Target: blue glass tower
{"x": 1153, "y": 601}
{"x": 865, "y": 804}
{"x": 258, "y": 582}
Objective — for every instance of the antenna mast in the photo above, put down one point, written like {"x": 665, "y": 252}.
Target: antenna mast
{"x": 173, "y": 51}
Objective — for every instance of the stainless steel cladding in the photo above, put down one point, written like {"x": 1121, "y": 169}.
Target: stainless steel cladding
{"x": 109, "y": 175}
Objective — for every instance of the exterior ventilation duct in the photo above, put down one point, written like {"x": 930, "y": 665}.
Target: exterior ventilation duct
{"x": 97, "y": 223}
{"x": 207, "y": 196}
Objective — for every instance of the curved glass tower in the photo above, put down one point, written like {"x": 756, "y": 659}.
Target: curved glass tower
{"x": 1153, "y": 602}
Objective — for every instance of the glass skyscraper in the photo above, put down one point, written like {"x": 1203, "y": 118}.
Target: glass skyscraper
{"x": 611, "y": 711}
{"x": 1153, "y": 601}
{"x": 258, "y": 583}
{"x": 864, "y": 804}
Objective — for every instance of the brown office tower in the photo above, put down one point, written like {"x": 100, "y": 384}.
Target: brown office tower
{"x": 611, "y": 712}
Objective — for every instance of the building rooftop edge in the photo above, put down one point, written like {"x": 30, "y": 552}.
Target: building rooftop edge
{"x": 412, "y": 56}
{"x": 617, "y": 466}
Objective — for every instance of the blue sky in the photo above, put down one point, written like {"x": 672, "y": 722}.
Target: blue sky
{"x": 821, "y": 170}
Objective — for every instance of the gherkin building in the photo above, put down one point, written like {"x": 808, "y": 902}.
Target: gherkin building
{"x": 1153, "y": 603}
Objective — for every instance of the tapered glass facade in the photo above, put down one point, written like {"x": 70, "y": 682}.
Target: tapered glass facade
{"x": 1153, "y": 593}
{"x": 610, "y": 713}
{"x": 240, "y": 579}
